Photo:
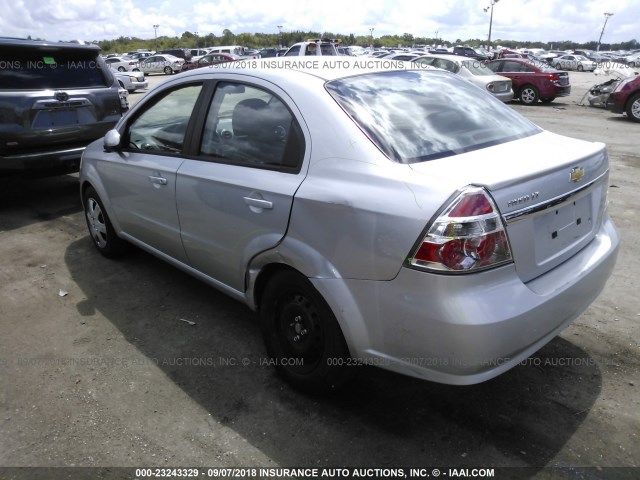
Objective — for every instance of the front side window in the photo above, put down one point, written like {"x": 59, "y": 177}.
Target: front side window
{"x": 161, "y": 128}
{"x": 415, "y": 116}
{"x": 250, "y": 126}
{"x": 293, "y": 51}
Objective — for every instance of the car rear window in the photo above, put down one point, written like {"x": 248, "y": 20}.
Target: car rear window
{"x": 35, "y": 69}
{"x": 415, "y": 116}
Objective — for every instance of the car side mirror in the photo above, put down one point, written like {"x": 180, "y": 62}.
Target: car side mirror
{"x": 111, "y": 140}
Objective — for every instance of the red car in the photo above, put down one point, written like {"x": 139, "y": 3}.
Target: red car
{"x": 626, "y": 98}
{"x": 532, "y": 81}
{"x": 209, "y": 60}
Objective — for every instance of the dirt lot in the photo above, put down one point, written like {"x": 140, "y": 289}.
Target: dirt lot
{"x": 110, "y": 375}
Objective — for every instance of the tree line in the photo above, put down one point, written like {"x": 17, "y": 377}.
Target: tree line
{"x": 261, "y": 40}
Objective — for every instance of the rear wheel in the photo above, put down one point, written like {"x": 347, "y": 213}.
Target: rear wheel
{"x": 529, "y": 95}
{"x": 168, "y": 71}
{"x": 302, "y": 336}
{"x": 633, "y": 108}
{"x": 102, "y": 233}
{"x": 121, "y": 69}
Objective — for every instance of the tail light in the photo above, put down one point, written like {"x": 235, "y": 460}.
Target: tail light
{"x": 468, "y": 236}
{"x": 553, "y": 78}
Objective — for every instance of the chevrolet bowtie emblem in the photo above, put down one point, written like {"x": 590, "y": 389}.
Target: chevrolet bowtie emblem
{"x": 576, "y": 174}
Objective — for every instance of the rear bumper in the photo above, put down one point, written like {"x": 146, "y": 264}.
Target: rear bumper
{"x": 504, "y": 96}
{"x": 65, "y": 160}
{"x": 467, "y": 329}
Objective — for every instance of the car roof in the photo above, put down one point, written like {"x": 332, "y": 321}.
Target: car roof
{"x": 453, "y": 58}
{"x": 325, "y": 68}
{"x": 24, "y": 42}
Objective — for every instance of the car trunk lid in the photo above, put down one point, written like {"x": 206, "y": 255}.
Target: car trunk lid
{"x": 550, "y": 190}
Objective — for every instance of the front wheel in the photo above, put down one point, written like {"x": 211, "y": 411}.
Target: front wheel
{"x": 100, "y": 228}
{"x": 168, "y": 71}
{"x": 633, "y": 108}
{"x": 580, "y": 68}
{"x": 529, "y": 95}
{"x": 302, "y": 336}
{"x": 121, "y": 69}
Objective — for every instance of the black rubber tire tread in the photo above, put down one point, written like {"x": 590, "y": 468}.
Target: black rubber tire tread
{"x": 115, "y": 246}
{"x": 333, "y": 368}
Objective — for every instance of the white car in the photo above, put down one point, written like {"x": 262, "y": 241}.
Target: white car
{"x": 573, "y": 62}
{"x": 633, "y": 60}
{"x": 313, "y": 47}
{"x": 123, "y": 64}
{"x": 164, "y": 63}
{"x": 131, "y": 81}
{"x": 472, "y": 70}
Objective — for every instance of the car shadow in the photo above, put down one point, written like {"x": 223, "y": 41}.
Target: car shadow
{"x": 24, "y": 201}
{"x": 522, "y": 418}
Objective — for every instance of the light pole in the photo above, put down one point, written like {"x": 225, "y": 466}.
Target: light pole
{"x": 280, "y": 35}
{"x": 155, "y": 33}
{"x": 371, "y": 35}
{"x": 436, "y": 45}
{"x": 197, "y": 44}
{"x": 606, "y": 17}
{"x": 493, "y": 2}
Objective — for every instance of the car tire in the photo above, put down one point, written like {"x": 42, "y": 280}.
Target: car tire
{"x": 101, "y": 230}
{"x": 580, "y": 68}
{"x": 168, "y": 70}
{"x": 529, "y": 95}
{"x": 633, "y": 108}
{"x": 135, "y": 70}
{"x": 299, "y": 327}
{"x": 121, "y": 69}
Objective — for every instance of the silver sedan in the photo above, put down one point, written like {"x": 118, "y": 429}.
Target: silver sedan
{"x": 164, "y": 63}
{"x": 472, "y": 70}
{"x": 574, "y": 62}
{"x": 397, "y": 218}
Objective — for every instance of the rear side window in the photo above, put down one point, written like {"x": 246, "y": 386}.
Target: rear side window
{"x": 249, "y": 126}
{"x": 415, "y": 116}
{"x": 36, "y": 69}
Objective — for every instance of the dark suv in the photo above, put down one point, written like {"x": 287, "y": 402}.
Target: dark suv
{"x": 178, "y": 52}
{"x": 55, "y": 99}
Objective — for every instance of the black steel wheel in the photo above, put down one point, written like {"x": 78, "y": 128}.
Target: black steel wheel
{"x": 302, "y": 336}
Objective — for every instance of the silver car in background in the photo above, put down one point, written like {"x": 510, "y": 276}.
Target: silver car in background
{"x": 165, "y": 63}
{"x": 396, "y": 218}
{"x": 472, "y": 70}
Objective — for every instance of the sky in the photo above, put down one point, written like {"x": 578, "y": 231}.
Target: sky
{"x": 544, "y": 20}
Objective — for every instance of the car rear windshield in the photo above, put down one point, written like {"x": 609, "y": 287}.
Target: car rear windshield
{"x": 35, "y": 69}
{"x": 415, "y": 116}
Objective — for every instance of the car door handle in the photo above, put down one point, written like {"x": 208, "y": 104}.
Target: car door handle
{"x": 258, "y": 203}
{"x": 158, "y": 180}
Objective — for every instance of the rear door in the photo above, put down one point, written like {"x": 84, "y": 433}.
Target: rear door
{"x": 234, "y": 198}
